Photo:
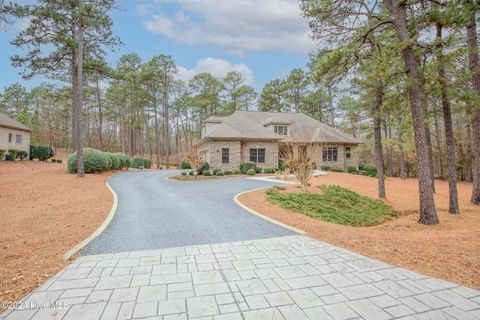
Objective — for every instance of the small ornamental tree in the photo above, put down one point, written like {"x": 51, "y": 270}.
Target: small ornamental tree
{"x": 298, "y": 157}
{"x": 195, "y": 160}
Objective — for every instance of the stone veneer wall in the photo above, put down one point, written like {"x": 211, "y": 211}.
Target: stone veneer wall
{"x": 341, "y": 162}
{"x": 271, "y": 152}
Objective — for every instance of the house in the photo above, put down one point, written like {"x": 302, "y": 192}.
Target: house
{"x": 254, "y": 136}
{"x": 13, "y": 134}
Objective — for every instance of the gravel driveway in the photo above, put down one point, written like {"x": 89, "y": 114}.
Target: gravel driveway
{"x": 156, "y": 213}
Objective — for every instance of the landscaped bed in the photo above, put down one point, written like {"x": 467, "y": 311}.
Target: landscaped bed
{"x": 449, "y": 250}
{"x": 45, "y": 212}
{"x": 334, "y": 204}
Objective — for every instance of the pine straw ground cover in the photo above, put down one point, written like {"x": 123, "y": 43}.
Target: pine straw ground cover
{"x": 44, "y": 211}
{"x": 449, "y": 250}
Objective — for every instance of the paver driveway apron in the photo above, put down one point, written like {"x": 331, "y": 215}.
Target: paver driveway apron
{"x": 260, "y": 276}
{"x": 157, "y": 213}
{"x": 292, "y": 277}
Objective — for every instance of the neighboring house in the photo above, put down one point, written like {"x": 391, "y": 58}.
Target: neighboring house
{"x": 13, "y": 134}
{"x": 255, "y": 136}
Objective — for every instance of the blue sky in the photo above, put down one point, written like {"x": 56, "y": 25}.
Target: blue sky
{"x": 263, "y": 39}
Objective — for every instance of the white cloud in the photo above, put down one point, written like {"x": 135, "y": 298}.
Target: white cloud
{"x": 217, "y": 67}
{"x": 235, "y": 25}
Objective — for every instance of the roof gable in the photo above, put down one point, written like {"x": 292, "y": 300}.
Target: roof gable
{"x": 254, "y": 125}
{"x": 6, "y": 121}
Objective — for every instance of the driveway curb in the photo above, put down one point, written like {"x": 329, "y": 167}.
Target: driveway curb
{"x": 73, "y": 251}
{"x": 286, "y": 226}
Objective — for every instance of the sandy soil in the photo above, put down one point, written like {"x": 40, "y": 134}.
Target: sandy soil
{"x": 44, "y": 212}
{"x": 449, "y": 250}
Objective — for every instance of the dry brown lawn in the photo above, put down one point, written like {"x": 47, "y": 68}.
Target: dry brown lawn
{"x": 449, "y": 250}
{"x": 44, "y": 212}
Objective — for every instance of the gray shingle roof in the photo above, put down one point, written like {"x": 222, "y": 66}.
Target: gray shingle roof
{"x": 6, "y": 121}
{"x": 252, "y": 125}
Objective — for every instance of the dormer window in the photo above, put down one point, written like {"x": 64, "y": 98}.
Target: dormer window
{"x": 280, "y": 130}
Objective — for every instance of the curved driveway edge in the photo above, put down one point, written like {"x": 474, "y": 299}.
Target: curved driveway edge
{"x": 155, "y": 213}
{"x": 258, "y": 214}
{"x": 73, "y": 251}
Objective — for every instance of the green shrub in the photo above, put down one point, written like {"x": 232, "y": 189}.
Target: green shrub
{"x": 251, "y": 172}
{"x": 219, "y": 173}
{"x": 121, "y": 159}
{"x": 147, "y": 163}
{"x": 245, "y": 166}
{"x": 206, "y": 172}
{"x": 21, "y": 154}
{"x": 128, "y": 161}
{"x": 184, "y": 165}
{"x": 204, "y": 167}
{"x": 191, "y": 173}
{"x": 217, "y": 170}
{"x": 93, "y": 161}
{"x": 183, "y": 173}
{"x": 137, "y": 162}
{"x": 352, "y": 169}
{"x": 267, "y": 170}
{"x": 325, "y": 168}
{"x": 42, "y": 153}
{"x": 2, "y": 153}
{"x": 227, "y": 172}
{"x": 336, "y": 169}
{"x": 335, "y": 204}
{"x": 258, "y": 170}
{"x": 370, "y": 169}
{"x": 237, "y": 171}
{"x": 12, "y": 154}
{"x": 8, "y": 157}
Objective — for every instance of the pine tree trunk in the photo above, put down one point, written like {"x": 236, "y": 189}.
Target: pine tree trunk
{"x": 447, "y": 118}
{"x": 77, "y": 84}
{"x": 377, "y": 130}
{"x": 468, "y": 174}
{"x": 100, "y": 116}
{"x": 166, "y": 129}
{"x": 430, "y": 155}
{"x": 474, "y": 68}
{"x": 438, "y": 143}
{"x": 403, "y": 172}
{"x": 428, "y": 213}
{"x": 157, "y": 134}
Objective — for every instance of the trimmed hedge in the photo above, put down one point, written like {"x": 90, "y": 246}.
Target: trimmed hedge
{"x": 370, "y": 169}
{"x": 237, "y": 171}
{"x": 21, "y": 155}
{"x": 267, "y": 170}
{"x": 251, "y": 172}
{"x": 352, "y": 169}
{"x": 245, "y": 166}
{"x": 97, "y": 161}
{"x": 217, "y": 170}
{"x": 219, "y": 173}
{"x": 336, "y": 169}
{"x": 184, "y": 165}
{"x": 206, "y": 173}
{"x": 227, "y": 172}
{"x": 137, "y": 162}
{"x": 12, "y": 154}
{"x": 147, "y": 163}
{"x": 42, "y": 153}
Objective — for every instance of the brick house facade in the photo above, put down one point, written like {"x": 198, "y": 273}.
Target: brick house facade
{"x": 251, "y": 136}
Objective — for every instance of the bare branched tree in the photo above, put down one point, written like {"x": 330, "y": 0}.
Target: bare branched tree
{"x": 196, "y": 161}
{"x": 298, "y": 157}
